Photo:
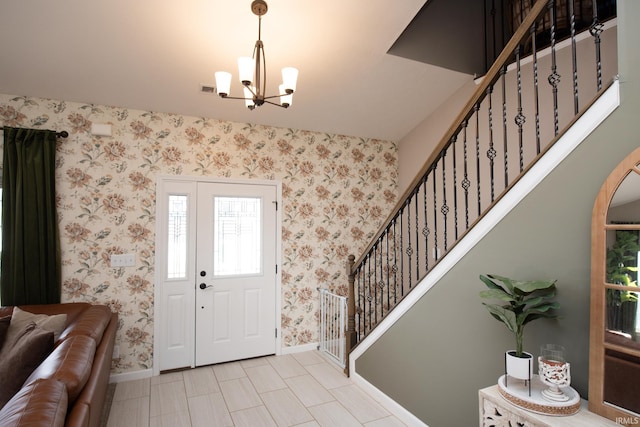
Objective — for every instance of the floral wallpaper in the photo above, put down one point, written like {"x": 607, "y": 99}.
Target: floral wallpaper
{"x": 337, "y": 190}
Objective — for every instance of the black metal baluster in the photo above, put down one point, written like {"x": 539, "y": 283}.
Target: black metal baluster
{"x": 388, "y": 268}
{"x": 491, "y": 152}
{"x": 554, "y": 77}
{"x": 454, "y": 138}
{"x": 409, "y": 250}
{"x": 574, "y": 59}
{"x": 520, "y": 118}
{"x": 369, "y": 297}
{"x": 435, "y": 211}
{"x": 359, "y": 305}
{"x": 465, "y": 182}
{"x": 425, "y": 229}
{"x": 381, "y": 282}
{"x": 375, "y": 285}
{"x": 444, "y": 209}
{"x": 477, "y": 113}
{"x": 417, "y": 192}
{"x": 595, "y": 30}
{"x": 395, "y": 264}
{"x": 400, "y": 214}
{"x": 505, "y": 139}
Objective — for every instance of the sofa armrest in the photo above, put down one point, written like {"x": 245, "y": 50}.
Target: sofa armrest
{"x": 41, "y": 403}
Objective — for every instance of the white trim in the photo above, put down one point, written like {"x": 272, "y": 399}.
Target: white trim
{"x": 130, "y": 376}
{"x": 590, "y": 120}
{"x": 160, "y": 180}
{"x": 388, "y": 403}
{"x": 299, "y": 348}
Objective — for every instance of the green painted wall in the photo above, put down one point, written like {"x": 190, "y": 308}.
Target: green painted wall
{"x": 437, "y": 356}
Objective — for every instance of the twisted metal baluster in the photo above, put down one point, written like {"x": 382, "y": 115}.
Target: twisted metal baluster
{"x": 435, "y": 211}
{"x": 491, "y": 152}
{"x": 409, "y": 250}
{"x": 574, "y": 58}
{"x": 425, "y": 229}
{"x": 465, "y": 182}
{"x": 477, "y": 114}
{"x": 595, "y": 30}
{"x": 454, "y": 138}
{"x": 417, "y": 192}
{"x": 444, "y": 209}
{"x": 554, "y": 77}
{"x": 395, "y": 264}
{"x": 505, "y": 139}
{"x": 520, "y": 118}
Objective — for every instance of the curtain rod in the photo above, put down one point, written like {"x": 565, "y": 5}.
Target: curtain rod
{"x": 62, "y": 134}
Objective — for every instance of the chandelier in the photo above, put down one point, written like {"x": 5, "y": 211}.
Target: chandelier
{"x": 253, "y": 73}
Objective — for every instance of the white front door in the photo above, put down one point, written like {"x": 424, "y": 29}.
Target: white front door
{"x": 235, "y": 272}
{"x": 216, "y": 274}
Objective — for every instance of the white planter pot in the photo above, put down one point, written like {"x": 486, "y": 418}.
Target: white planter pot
{"x": 519, "y": 367}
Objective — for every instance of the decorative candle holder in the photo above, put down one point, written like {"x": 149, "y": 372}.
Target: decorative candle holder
{"x": 554, "y": 371}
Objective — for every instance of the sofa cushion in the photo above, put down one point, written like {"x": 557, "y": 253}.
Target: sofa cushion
{"x": 20, "y": 318}
{"x": 4, "y": 326}
{"x": 70, "y": 363}
{"x": 20, "y": 358}
{"x": 41, "y": 403}
{"x": 92, "y": 323}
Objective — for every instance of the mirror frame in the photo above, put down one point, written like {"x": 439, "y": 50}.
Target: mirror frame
{"x": 597, "y": 345}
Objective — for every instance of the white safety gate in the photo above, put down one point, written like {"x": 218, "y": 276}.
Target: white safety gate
{"x": 333, "y": 315}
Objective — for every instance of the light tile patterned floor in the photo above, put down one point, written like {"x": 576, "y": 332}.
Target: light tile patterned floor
{"x": 301, "y": 389}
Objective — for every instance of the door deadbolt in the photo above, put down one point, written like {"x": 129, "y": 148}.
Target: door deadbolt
{"x": 203, "y": 273}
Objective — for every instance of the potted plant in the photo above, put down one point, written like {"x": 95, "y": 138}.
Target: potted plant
{"x": 520, "y": 302}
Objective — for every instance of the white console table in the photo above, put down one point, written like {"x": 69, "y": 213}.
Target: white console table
{"x": 496, "y": 411}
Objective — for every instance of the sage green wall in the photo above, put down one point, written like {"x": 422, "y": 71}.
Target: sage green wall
{"x": 437, "y": 356}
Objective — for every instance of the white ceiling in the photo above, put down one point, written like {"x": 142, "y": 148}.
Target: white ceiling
{"x": 155, "y": 55}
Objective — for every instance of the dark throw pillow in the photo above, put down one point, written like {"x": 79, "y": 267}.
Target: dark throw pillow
{"x": 29, "y": 350}
{"x": 4, "y": 327}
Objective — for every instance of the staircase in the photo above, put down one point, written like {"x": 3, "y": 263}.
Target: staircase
{"x": 539, "y": 99}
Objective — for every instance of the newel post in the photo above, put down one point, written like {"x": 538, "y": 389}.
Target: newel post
{"x": 350, "y": 333}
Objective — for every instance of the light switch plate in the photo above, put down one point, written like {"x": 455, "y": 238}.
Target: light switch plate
{"x": 123, "y": 260}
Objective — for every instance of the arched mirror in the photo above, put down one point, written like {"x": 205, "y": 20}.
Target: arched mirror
{"x": 614, "y": 359}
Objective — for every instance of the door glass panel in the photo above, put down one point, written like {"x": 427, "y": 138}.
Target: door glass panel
{"x": 237, "y": 236}
{"x": 177, "y": 237}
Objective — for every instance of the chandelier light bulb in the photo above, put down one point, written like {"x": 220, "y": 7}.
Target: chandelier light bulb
{"x": 289, "y": 79}
{"x": 223, "y": 83}
{"x": 246, "y": 69}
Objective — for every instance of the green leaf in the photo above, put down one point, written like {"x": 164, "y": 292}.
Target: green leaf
{"x": 507, "y": 317}
{"x": 530, "y": 286}
{"x": 499, "y": 294}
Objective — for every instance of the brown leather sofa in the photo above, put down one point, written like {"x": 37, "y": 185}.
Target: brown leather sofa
{"x": 69, "y": 387}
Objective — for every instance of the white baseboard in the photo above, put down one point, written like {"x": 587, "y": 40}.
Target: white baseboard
{"x": 130, "y": 376}
{"x": 299, "y": 348}
{"x": 388, "y": 403}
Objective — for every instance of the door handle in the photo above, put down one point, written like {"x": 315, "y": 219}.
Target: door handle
{"x": 204, "y": 286}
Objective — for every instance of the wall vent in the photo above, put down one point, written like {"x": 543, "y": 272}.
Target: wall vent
{"x": 207, "y": 89}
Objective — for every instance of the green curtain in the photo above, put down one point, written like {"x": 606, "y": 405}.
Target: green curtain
{"x": 30, "y": 265}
